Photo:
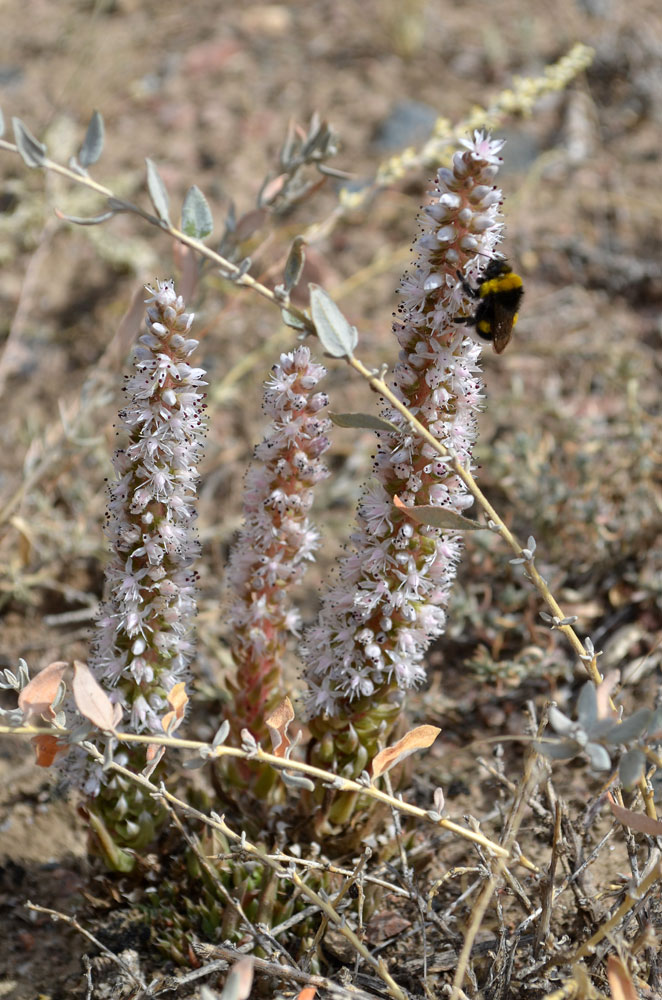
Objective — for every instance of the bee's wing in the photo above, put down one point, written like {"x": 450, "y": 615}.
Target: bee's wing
{"x": 502, "y": 326}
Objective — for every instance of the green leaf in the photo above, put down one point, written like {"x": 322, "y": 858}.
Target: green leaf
{"x": 587, "y": 706}
{"x": 295, "y": 261}
{"x": 92, "y": 146}
{"x": 631, "y": 767}
{"x": 365, "y": 421}
{"x": 297, "y": 781}
{"x": 629, "y": 729}
{"x": 654, "y": 727}
{"x": 221, "y": 734}
{"x": 557, "y": 749}
{"x": 598, "y": 757}
{"x": 194, "y": 763}
{"x": 92, "y": 220}
{"x": 157, "y": 192}
{"x": 197, "y": 220}
{"x": 32, "y": 151}
{"x": 289, "y": 319}
{"x": 337, "y": 336}
{"x": 116, "y": 859}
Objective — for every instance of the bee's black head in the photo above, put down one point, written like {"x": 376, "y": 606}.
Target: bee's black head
{"x": 496, "y": 267}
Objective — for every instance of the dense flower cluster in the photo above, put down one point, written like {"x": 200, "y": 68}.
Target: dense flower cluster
{"x": 388, "y": 605}
{"x": 277, "y": 540}
{"x": 144, "y": 637}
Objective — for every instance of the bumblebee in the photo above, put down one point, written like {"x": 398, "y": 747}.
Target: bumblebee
{"x": 499, "y": 294}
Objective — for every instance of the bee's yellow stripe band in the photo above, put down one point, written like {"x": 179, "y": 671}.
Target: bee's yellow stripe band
{"x": 504, "y": 283}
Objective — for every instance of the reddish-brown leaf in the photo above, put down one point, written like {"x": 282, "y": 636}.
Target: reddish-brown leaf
{"x": 620, "y": 983}
{"x": 307, "y": 993}
{"x": 154, "y": 750}
{"x": 635, "y": 820}
{"x": 26, "y": 940}
{"x": 416, "y": 739}
{"x": 385, "y": 925}
{"x": 91, "y": 699}
{"x": 239, "y": 981}
{"x": 46, "y": 749}
{"x": 249, "y": 223}
{"x": 178, "y": 700}
{"x": 277, "y": 724}
{"x": 273, "y": 188}
{"x": 37, "y": 697}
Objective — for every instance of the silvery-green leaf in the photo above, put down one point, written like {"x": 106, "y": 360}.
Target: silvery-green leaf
{"x": 2, "y": 124}
{"x": 32, "y": 151}
{"x": 602, "y": 731}
{"x": 231, "y": 219}
{"x": 92, "y": 146}
{"x": 294, "y": 264}
{"x": 587, "y": 706}
{"x": 80, "y": 732}
{"x": 285, "y": 154}
{"x": 655, "y": 726}
{"x": 197, "y": 219}
{"x": 441, "y": 517}
{"x": 93, "y": 220}
{"x": 337, "y": 336}
{"x": 341, "y": 175}
{"x": 581, "y": 737}
{"x": 248, "y": 742}
{"x": 157, "y": 192}
{"x": 172, "y": 724}
{"x": 365, "y": 421}
{"x": 221, "y": 734}
{"x": 242, "y": 268}
{"x": 631, "y": 768}
{"x": 557, "y": 749}
{"x": 23, "y": 673}
{"x": 59, "y": 697}
{"x": 297, "y": 781}
{"x": 193, "y": 764}
{"x": 598, "y": 756}
{"x": 559, "y": 721}
{"x": 631, "y": 728}
{"x": 289, "y": 319}
{"x": 118, "y": 205}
